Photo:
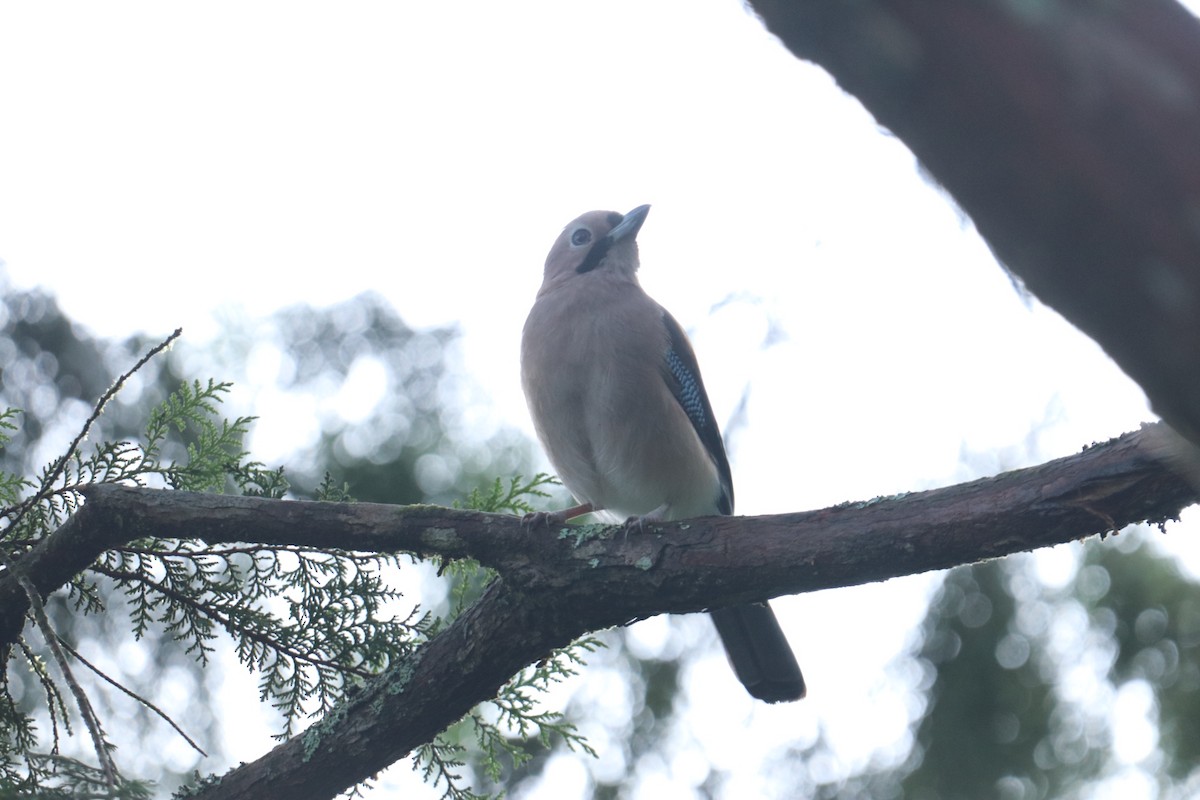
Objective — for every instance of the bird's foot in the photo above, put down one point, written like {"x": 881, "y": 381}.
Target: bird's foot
{"x": 634, "y": 525}
{"x": 638, "y": 524}
{"x": 537, "y": 519}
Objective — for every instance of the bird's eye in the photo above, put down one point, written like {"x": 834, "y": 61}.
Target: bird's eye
{"x": 581, "y": 236}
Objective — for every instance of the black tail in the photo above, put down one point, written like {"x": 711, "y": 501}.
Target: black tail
{"x": 759, "y": 652}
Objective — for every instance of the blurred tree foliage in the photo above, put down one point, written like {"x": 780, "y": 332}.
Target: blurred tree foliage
{"x": 992, "y": 704}
{"x": 1024, "y": 678}
{"x": 1152, "y": 612}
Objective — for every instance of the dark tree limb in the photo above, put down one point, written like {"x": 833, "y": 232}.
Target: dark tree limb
{"x": 558, "y": 583}
{"x": 1067, "y": 130}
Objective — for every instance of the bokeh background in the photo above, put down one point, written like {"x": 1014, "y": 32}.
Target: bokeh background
{"x": 347, "y": 206}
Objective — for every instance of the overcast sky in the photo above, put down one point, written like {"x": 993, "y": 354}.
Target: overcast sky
{"x": 161, "y": 162}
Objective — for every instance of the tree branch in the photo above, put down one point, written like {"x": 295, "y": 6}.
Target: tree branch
{"x": 1067, "y": 130}
{"x": 559, "y": 583}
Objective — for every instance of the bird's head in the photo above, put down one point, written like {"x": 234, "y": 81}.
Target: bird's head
{"x": 597, "y": 242}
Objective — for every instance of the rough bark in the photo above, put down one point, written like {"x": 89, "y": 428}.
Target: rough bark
{"x": 1067, "y": 130}
{"x": 561, "y": 582}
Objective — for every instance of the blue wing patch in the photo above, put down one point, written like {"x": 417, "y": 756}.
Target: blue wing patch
{"x": 691, "y": 391}
{"x": 682, "y": 374}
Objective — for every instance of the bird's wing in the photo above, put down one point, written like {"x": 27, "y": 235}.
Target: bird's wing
{"x": 682, "y": 374}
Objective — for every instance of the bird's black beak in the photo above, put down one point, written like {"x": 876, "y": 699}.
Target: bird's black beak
{"x": 629, "y": 225}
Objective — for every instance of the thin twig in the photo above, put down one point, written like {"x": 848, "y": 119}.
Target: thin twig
{"x": 53, "y": 696}
{"x": 90, "y": 720}
{"x": 162, "y": 714}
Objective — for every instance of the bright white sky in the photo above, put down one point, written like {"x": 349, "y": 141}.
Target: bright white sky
{"x": 161, "y": 161}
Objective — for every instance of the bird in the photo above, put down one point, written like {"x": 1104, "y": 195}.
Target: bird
{"x": 619, "y": 406}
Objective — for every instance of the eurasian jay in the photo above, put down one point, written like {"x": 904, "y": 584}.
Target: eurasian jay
{"x": 618, "y": 404}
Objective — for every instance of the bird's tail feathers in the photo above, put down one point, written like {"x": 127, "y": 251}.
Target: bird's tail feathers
{"x": 759, "y": 652}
